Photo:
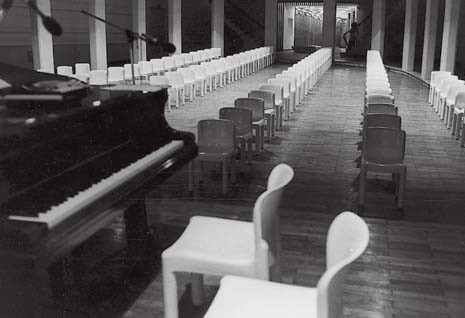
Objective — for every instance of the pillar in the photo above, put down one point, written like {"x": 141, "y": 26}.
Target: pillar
{"x": 218, "y": 24}
{"x": 329, "y": 23}
{"x": 42, "y": 42}
{"x": 97, "y": 36}
{"x": 410, "y": 35}
{"x": 271, "y": 22}
{"x": 174, "y": 24}
{"x": 139, "y": 26}
{"x": 429, "y": 42}
{"x": 449, "y": 35}
{"x": 377, "y": 27}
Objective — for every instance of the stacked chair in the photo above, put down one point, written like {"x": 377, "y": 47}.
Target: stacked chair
{"x": 383, "y": 140}
{"x": 447, "y": 97}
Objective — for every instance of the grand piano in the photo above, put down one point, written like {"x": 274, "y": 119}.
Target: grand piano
{"x": 72, "y": 158}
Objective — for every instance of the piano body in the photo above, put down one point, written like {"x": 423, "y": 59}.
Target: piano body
{"x": 71, "y": 160}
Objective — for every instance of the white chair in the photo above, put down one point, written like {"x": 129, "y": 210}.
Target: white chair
{"x": 82, "y": 68}
{"x": 200, "y": 78}
{"x": 128, "y": 72}
{"x": 286, "y": 85}
{"x": 98, "y": 77}
{"x": 157, "y": 66}
{"x": 178, "y": 61}
{"x": 115, "y": 75}
{"x": 189, "y": 82}
{"x": 278, "y": 101}
{"x": 210, "y": 71}
{"x": 161, "y": 80}
{"x": 65, "y": 70}
{"x": 221, "y": 247}
{"x": 145, "y": 69}
{"x": 176, "y": 82}
{"x": 168, "y": 63}
{"x": 241, "y": 297}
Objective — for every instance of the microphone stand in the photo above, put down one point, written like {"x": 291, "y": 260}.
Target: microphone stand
{"x": 131, "y": 37}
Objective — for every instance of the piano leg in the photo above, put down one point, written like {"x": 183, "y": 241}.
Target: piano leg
{"x": 137, "y": 230}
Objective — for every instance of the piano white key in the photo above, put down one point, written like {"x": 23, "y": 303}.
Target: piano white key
{"x": 57, "y": 214}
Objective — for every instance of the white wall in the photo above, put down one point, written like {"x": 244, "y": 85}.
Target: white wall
{"x": 289, "y": 25}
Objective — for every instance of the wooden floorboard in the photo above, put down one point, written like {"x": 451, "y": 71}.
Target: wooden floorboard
{"x": 414, "y": 265}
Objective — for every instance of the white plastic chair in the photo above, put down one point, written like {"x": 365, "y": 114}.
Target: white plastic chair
{"x": 241, "y": 297}
{"x": 115, "y": 75}
{"x": 82, "y": 68}
{"x": 286, "y": 85}
{"x": 189, "y": 82}
{"x": 64, "y": 70}
{"x": 221, "y": 247}
{"x": 200, "y": 78}
{"x": 176, "y": 82}
{"x": 157, "y": 66}
{"x": 270, "y": 111}
{"x": 145, "y": 69}
{"x": 278, "y": 101}
{"x": 168, "y": 63}
{"x": 98, "y": 77}
{"x": 450, "y": 103}
{"x": 128, "y": 72}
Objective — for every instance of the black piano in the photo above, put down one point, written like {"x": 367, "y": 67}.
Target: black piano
{"x": 72, "y": 158}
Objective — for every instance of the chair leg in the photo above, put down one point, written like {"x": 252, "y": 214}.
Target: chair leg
{"x": 402, "y": 181}
{"x": 462, "y": 138}
{"x": 170, "y": 294}
{"x": 197, "y": 290}
{"x": 190, "y": 177}
{"x": 457, "y": 126}
{"x": 225, "y": 175}
{"x": 454, "y": 123}
{"x": 362, "y": 183}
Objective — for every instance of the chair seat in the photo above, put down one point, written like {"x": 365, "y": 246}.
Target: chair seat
{"x": 215, "y": 246}
{"x": 240, "y": 297}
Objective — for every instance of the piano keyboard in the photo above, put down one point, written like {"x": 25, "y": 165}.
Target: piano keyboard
{"x": 61, "y": 212}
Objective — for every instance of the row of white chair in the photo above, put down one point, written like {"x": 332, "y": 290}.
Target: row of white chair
{"x": 383, "y": 140}
{"x": 200, "y": 79}
{"x": 447, "y": 97}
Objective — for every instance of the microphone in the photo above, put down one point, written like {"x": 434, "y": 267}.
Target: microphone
{"x": 4, "y": 7}
{"x": 166, "y": 46}
{"x": 52, "y": 26}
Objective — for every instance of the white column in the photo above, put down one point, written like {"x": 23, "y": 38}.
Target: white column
{"x": 218, "y": 24}
{"x": 97, "y": 36}
{"x": 329, "y": 23}
{"x": 429, "y": 42}
{"x": 449, "y": 35}
{"x": 42, "y": 42}
{"x": 410, "y": 34}
{"x": 377, "y": 27}
{"x": 271, "y": 22}
{"x": 174, "y": 24}
{"x": 139, "y": 26}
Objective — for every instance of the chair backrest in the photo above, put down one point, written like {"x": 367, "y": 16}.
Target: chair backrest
{"x": 285, "y": 83}
{"x": 159, "y": 80}
{"x": 82, "y": 68}
{"x": 347, "y": 239}
{"x": 128, "y": 71}
{"x": 265, "y": 211}
{"x": 256, "y": 105}
{"x": 215, "y": 136}
{"x": 266, "y": 95}
{"x": 175, "y": 79}
{"x": 157, "y": 65}
{"x": 454, "y": 88}
{"x": 178, "y": 60}
{"x": 460, "y": 99}
{"x": 168, "y": 62}
{"x": 383, "y": 145}
{"x": 241, "y": 117}
{"x": 145, "y": 68}
{"x": 187, "y": 74}
{"x": 290, "y": 78}
{"x": 380, "y": 98}
{"x": 115, "y": 74}
{"x": 378, "y": 91}
{"x": 98, "y": 77}
{"x": 277, "y": 89}
{"x": 64, "y": 70}
{"x": 382, "y": 120}
{"x": 380, "y": 108}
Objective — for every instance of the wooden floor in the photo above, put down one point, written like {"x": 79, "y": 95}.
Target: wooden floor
{"x": 415, "y": 263}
